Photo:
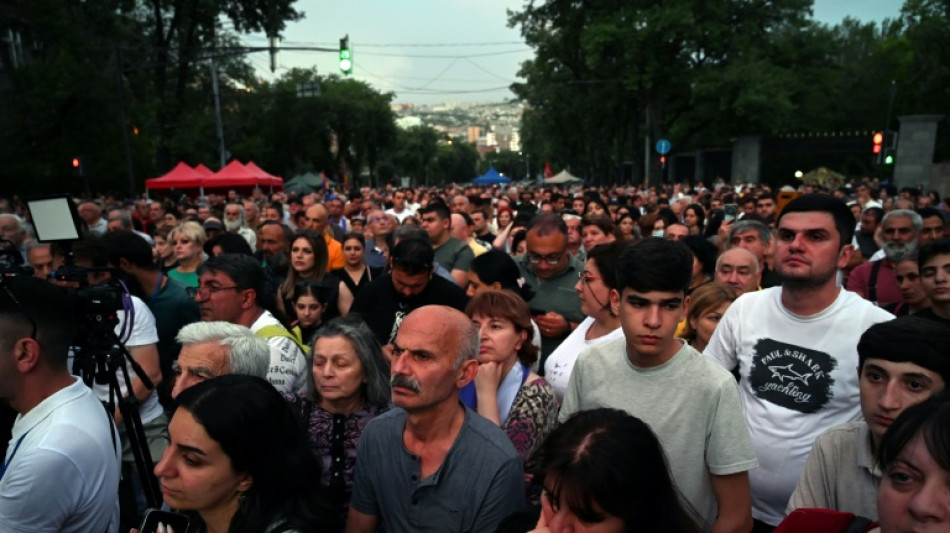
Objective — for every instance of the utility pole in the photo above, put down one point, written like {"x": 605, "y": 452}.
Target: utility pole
{"x": 217, "y": 112}
{"x": 124, "y": 122}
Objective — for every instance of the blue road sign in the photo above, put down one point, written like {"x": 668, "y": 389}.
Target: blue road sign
{"x": 663, "y": 146}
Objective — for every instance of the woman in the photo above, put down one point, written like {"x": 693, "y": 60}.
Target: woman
{"x": 239, "y": 462}
{"x": 914, "y": 495}
{"x": 227, "y": 243}
{"x": 355, "y": 274}
{"x": 695, "y": 218}
{"x": 595, "y": 206}
{"x": 308, "y": 262}
{"x": 163, "y": 251}
{"x": 505, "y": 390}
{"x": 707, "y": 304}
{"x": 907, "y": 272}
{"x": 627, "y": 225}
{"x": 604, "y": 470}
{"x": 519, "y": 243}
{"x": 351, "y": 380}
{"x": 310, "y": 302}
{"x": 188, "y": 241}
{"x": 602, "y": 324}
{"x": 494, "y": 270}
{"x": 503, "y": 219}
{"x": 652, "y": 225}
{"x": 597, "y": 229}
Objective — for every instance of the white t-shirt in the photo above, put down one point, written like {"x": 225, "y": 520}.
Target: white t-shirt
{"x": 798, "y": 378}
{"x": 64, "y": 476}
{"x": 288, "y": 370}
{"x": 142, "y": 333}
{"x": 406, "y": 213}
{"x": 560, "y": 364}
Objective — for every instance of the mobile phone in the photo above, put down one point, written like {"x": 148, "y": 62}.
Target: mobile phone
{"x": 536, "y": 311}
{"x": 730, "y": 211}
{"x": 171, "y": 522}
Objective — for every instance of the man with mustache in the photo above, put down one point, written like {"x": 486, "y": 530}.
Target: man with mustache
{"x": 876, "y": 280}
{"x": 431, "y": 464}
{"x": 795, "y": 349}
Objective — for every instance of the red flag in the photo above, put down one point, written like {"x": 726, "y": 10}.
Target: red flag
{"x": 548, "y": 173}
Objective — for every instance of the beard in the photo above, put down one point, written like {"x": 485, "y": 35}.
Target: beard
{"x": 233, "y": 225}
{"x": 806, "y": 281}
{"x": 895, "y": 251}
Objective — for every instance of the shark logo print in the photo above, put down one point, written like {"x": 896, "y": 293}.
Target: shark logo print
{"x": 791, "y": 376}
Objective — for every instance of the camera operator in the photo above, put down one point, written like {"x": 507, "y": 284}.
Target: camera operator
{"x": 139, "y": 335}
{"x": 61, "y": 471}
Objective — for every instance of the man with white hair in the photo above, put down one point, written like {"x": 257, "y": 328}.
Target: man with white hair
{"x": 11, "y": 229}
{"x": 235, "y": 221}
{"x": 739, "y": 269}
{"x": 876, "y": 280}
{"x": 212, "y": 349}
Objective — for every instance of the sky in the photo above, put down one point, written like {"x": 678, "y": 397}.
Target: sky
{"x": 438, "y": 51}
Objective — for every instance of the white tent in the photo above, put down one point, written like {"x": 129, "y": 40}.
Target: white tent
{"x": 563, "y": 177}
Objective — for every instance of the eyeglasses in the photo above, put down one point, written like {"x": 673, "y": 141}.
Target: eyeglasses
{"x": 551, "y": 259}
{"x": 587, "y": 276}
{"x": 378, "y": 219}
{"x": 206, "y": 291}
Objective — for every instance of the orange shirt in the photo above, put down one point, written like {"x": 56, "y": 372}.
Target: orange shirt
{"x": 335, "y": 249}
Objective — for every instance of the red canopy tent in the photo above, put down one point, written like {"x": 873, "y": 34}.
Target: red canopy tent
{"x": 180, "y": 177}
{"x": 254, "y": 168}
{"x": 236, "y": 175}
{"x": 200, "y": 168}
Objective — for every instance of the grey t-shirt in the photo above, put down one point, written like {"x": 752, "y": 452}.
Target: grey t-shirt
{"x": 480, "y": 482}
{"x": 690, "y": 402}
{"x": 454, "y": 255}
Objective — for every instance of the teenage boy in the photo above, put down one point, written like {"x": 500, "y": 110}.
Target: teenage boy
{"x": 685, "y": 397}
{"x": 934, "y": 260}
{"x": 901, "y": 363}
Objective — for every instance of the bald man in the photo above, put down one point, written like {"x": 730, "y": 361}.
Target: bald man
{"x": 318, "y": 220}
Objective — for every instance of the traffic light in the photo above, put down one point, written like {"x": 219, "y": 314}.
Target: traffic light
{"x": 890, "y": 147}
{"x": 662, "y": 161}
{"x": 878, "y": 140}
{"x": 346, "y": 57}
{"x": 77, "y": 167}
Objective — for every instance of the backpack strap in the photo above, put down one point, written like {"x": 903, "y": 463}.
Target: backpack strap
{"x": 276, "y": 330}
{"x": 872, "y": 282}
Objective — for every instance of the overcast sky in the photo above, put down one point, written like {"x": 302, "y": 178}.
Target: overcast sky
{"x": 433, "y": 51}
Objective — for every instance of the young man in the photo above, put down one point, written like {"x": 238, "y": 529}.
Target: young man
{"x": 934, "y": 260}
{"x": 691, "y": 403}
{"x": 794, "y": 347}
{"x": 451, "y": 253}
{"x": 901, "y": 363}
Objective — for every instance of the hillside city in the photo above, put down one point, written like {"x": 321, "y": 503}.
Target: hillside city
{"x": 490, "y": 126}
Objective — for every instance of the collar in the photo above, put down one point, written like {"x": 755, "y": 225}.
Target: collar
{"x": 24, "y": 423}
{"x": 863, "y": 456}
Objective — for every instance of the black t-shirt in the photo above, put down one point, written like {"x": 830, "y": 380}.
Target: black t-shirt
{"x": 381, "y": 306}
{"x": 929, "y": 313}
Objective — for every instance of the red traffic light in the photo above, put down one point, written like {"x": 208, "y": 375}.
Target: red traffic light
{"x": 878, "y": 138}
{"x": 76, "y": 163}
{"x": 662, "y": 159}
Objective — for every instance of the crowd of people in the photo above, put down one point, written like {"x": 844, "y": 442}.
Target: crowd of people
{"x": 604, "y": 359}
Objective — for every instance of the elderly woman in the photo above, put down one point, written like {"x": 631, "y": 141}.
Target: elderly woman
{"x": 596, "y": 230}
{"x": 602, "y": 323}
{"x": 238, "y": 461}
{"x": 188, "y": 241}
{"x": 351, "y": 380}
{"x": 505, "y": 390}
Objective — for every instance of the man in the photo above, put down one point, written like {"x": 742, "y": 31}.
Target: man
{"x": 451, "y": 253}
{"x": 932, "y": 224}
{"x": 91, "y": 214}
{"x": 676, "y": 232}
{"x": 11, "y": 229}
{"x": 378, "y": 242}
{"x": 901, "y": 363}
{"x": 738, "y": 268}
{"x": 204, "y": 211}
{"x": 700, "y": 424}
{"x": 481, "y": 216}
{"x": 399, "y": 209}
{"x": 411, "y": 284}
{"x": 121, "y": 220}
{"x": 875, "y": 280}
{"x": 460, "y": 204}
{"x": 551, "y": 272}
{"x": 464, "y": 230}
{"x": 575, "y": 245}
{"x": 430, "y": 464}
{"x": 934, "y": 259}
{"x": 156, "y": 212}
{"x": 212, "y": 349}
{"x": 235, "y": 221}
{"x": 252, "y": 214}
{"x": 273, "y": 245}
{"x": 40, "y": 257}
{"x": 864, "y": 239}
{"x": 765, "y": 208}
{"x": 755, "y": 237}
{"x": 61, "y": 472}
{"x": 273, "y": 211}
{"x": 231, "y": 288}
{"x": 794, "y": 347}
{"x": 141, "y": 220}
{"x": 166, "y": 298}
{"x": 318, "y": 222}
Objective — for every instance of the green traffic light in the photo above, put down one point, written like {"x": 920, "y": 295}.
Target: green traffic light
{"x": 889, "y": 160}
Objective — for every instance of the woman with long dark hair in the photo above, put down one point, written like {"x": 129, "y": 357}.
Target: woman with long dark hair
{"x": 239, "y": 462}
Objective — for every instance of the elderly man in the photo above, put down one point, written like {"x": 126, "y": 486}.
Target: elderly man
{"x": 212, "y": 349}
{"x": 431, "y": 464}
{"x": 795, "y": 348}
{"x": 231, "y": 288}
{"x": 876, "y": 280}
{"x": 551, "y": 271}
{"x": 318, "y": 221}
{"x": 755, "y": 237}
{"x": 738, "y": 268}
{"x": 91, "y": 214}
{"x": 235, "y": 221}
{"x": 252, "y": 214}
{"x": 61, "y": 471}
{"x": 273, "y": 245}
{"x": 11, "y": 229}
{"x": 120, "y": 220}
{"x": 463, "y": 229}
{"x": 40, "y": 257}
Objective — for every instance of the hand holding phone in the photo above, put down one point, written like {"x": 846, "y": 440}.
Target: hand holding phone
{"x": 158, "y": 521}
